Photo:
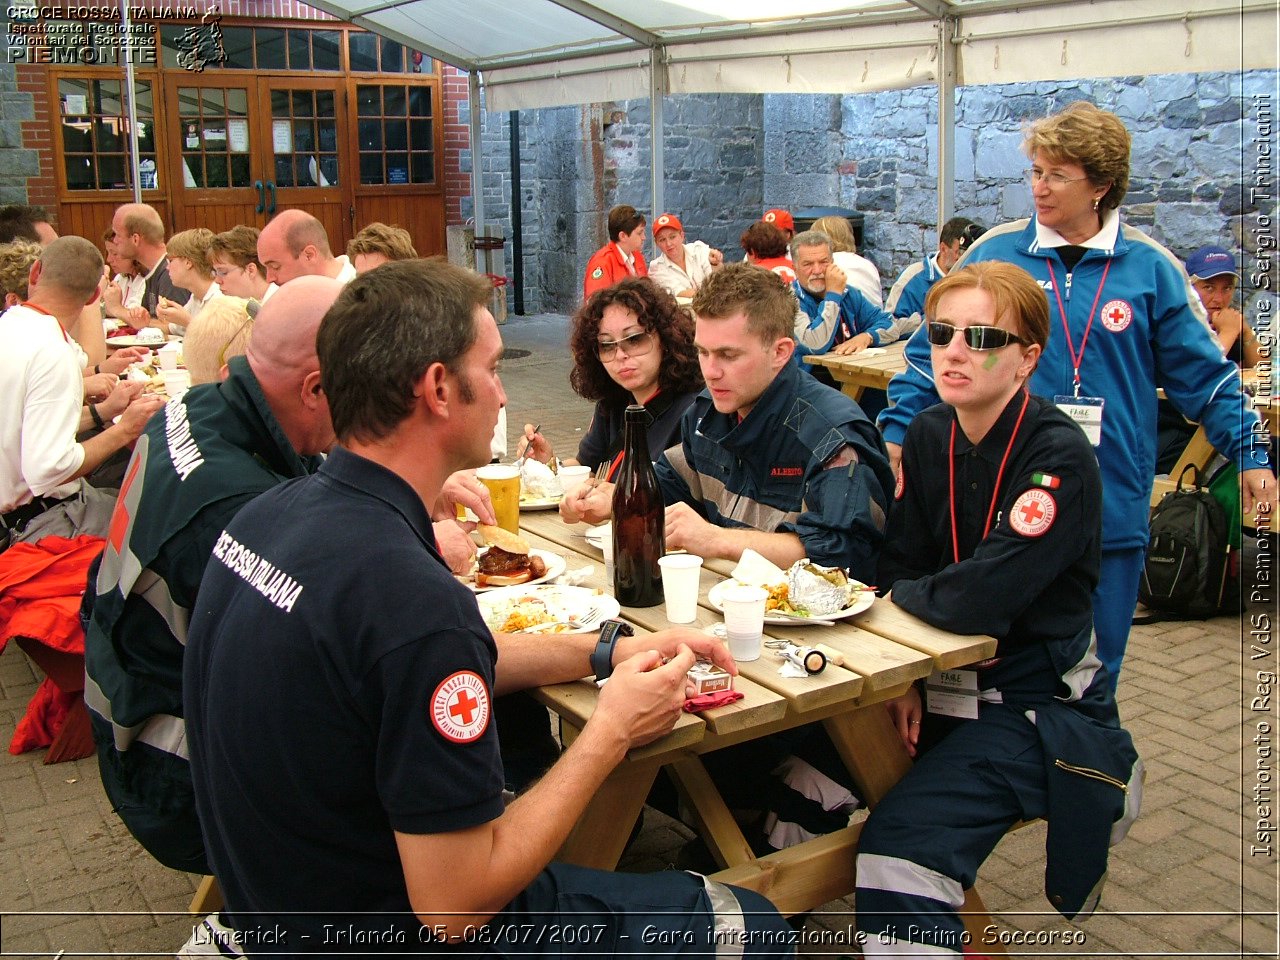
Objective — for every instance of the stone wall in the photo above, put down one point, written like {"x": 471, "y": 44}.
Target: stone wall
{"x": 729, "y": 157}
{"x": 16, "y": 162}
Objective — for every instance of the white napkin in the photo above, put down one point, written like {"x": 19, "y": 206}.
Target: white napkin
{"x": 789, "y": 669}
{"x": 755, "y": 570}
{"x": 575, "y": 578}
{"x": 870, "y": 351}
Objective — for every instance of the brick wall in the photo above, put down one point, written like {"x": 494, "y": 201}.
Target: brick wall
{"x": 37, "y": 135}
{"x": 457, "y": 144}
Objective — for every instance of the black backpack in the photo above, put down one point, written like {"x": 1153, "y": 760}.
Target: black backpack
{"x": 1185, "y": 573}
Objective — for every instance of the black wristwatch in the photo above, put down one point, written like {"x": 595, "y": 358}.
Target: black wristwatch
{"x": 602, "y": 655}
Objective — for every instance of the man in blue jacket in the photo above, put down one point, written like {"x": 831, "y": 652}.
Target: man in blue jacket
{"x": 833, "y": 315}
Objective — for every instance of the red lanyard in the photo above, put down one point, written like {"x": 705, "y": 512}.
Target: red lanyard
{"x": 995, "y": 495}
{"x": 1078, "y": 358}
{"x": 39, "y": 309}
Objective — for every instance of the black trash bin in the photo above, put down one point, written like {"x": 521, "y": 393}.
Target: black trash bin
{"x": 805, "y": 219}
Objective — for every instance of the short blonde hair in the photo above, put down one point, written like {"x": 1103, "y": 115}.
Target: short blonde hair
{"x": 193, "y": 245}
{"x": 392, "y": 242}
{"x": 16, "y": 259}
{"x": 216, "y": 334}
{"x": 838, "y": 232}
{"x": 1095, "y": 139}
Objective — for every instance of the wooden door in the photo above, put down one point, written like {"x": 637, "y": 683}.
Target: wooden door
{"x": 215, "y": 152}
{"x": 303, "y": 123}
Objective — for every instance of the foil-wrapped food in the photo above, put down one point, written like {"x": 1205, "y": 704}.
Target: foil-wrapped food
{"x": 820, "y": 591}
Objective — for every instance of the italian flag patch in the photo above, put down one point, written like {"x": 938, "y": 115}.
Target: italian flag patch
{"x": 1046, "y": 480}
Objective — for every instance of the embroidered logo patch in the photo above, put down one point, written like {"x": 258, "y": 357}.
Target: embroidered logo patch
{"x": 597, "y": 273}
{"x": 663, "y": 220}
{"x": 770, "y": 217}
{"x": 1033, "y": 512}
{"x": 900, "y": 486}
{"x": 786, "y": 471}
{"x": 1116, "y": 315}
{"x": 460, "y": 707}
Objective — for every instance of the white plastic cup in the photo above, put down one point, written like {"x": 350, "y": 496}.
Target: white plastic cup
{"x": 744, "y": 620}
{"x": 680, "y": 575}
{"x": 573, "y": 477}
{"x": 176, "y": 382}
{"x": 167, "y": 356}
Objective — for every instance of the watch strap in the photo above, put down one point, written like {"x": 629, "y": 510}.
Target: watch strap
{"x": 602, "y": 655}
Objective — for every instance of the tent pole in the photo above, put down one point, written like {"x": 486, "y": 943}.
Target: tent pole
{"x": 946, "y": 120}
{"x": 126, "y": 42}
{"x": 657, "y": 138}
{"x": 477, "y": 157}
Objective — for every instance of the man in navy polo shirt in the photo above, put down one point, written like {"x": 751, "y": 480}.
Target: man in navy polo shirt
{"x": 339, "y": 682}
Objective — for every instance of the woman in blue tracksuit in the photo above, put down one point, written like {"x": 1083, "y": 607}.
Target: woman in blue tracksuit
{"x": 1123, "y": 322}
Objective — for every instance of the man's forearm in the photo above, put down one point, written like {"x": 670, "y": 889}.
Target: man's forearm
{"x": 99, "y": 448}
{"x": 532, "y": 659}
{"x": 783, "y": 549}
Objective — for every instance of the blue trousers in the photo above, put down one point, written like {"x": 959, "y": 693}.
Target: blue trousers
{"x": 924, "y": 842}
{"x": 1114, "y": 600}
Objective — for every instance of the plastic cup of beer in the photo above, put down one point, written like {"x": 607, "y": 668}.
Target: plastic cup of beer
{"x": 573, "y": 477}
{"x": 680, "y": 575}
{"x": 503, "y": 482}
{"x": 744, "y": 620}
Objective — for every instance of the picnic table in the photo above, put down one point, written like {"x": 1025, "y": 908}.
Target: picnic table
{"x": 872, "y": 659}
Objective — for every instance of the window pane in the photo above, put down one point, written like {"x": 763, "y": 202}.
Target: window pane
{"x": 284, "y": 172}
{"x": 392, "y": 56}
{"x": 240, "y": 170}
{"x": 325, "y": 104}
{"x": 142, "y": 100}
{"x": 324, "y": 49}
{"x": 363, "y": 49}
{"x": 305, "y": 170}
{"x": 76, "y": 135}
{"x": 109, "y": 139}
{"x": 368, "y": 101}
{"x": 329, "y": 169}
{"x": 111, "y": 172}
{"x": 146, "y": 136}
{"x": 424, "y": 168}
{"x": 280, "y": 103}
{"x": 271, "y": 49}
{"x": 397, "y": 135}
{"x": 216, "y": 170}
{"x": 370, "y": 168}
{"x": 304, "y": 135}
{"x": 299, "y": 50}
{"x": 419, "y": 102}
{"x": 393, "y": 101}
{"x": 304, "y": 103}
{"x": 238, "y": 102}
{"x": 420, "y": 134}
{"x": 212, "y": 102}
{"x": 108, "y": 97}
{"x": 238, "y": 42}
{"x": 328, "y": 136}
{"x": 147, "y": 169}
{"x": 370, "y": 135}
{"x": 79, "y": 172}
{"x": 169, "y": 48}
{"x": 188, "y": 102}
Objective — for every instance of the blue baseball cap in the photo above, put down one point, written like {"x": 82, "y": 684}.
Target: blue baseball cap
{"x": 1209, "y": 262}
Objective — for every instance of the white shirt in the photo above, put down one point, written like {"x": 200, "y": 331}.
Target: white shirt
{"x": 41, "y": 392}
{"x": 194, "y": 306}
{"x": 131, "y": 289}
{"x": 697, "y": 267}
{"x": 862, "y": 274}
{"x": 348, "y": 271}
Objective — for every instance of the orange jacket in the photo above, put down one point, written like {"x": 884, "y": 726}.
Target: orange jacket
{"x": 606, "y": 267}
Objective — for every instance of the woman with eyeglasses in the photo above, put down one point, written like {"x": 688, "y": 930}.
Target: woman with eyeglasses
{"x": 190, "y": 270}
{"x": 234, "y": 256}
{"x": 1123, "y": 322}
{"x": 995, "y": 529}
{"x": 631, "y": 343}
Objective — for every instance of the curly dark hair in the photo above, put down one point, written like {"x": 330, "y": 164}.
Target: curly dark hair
{"x": 658, "y": 311}
{"x": 763, "y": 240}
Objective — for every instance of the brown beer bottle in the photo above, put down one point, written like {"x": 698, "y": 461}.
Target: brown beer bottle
{"x": 638, "y": 519}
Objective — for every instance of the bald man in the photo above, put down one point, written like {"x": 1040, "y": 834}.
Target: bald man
{"x": 193, "y": 469}
{"x": 138, "y": 232}
{"x": 294, "y": 244}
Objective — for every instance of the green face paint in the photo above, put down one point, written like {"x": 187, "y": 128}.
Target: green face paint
{"x": 990, "y": 362}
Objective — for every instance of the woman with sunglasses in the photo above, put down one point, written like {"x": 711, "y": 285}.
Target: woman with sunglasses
{"x": 999, "y": 490}
{"x": 1123, "y": 322}
{"x": 631, "y": 343}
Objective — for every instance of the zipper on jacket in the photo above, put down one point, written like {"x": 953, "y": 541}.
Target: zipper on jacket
{"x": 1091, "y": 773}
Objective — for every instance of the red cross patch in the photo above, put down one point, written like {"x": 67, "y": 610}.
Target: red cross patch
{"x": 460, "y": 707}
{"x": 1033, "y": 512}
{"x": 1116, "y": 315}
{"x": 901, "y": 485}
{"x": 663, "y": 220}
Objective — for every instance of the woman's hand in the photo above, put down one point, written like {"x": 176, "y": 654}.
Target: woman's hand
{"x": 535, "y": 445}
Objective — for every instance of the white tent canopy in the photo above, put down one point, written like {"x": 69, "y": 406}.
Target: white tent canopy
{"x": 544, "y": 53}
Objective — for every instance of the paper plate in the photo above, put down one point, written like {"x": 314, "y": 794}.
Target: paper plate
{"x": 540, "y": 503}
{"x": 864, "y": 601}
{"x": 134, "y": 341}
{"x": 548, "y": 600}
{"x": 555, "y": 566}
{"x": 595, "y": 535}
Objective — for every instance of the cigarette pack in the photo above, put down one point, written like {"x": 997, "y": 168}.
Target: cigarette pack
{"x": 708, "y": 678}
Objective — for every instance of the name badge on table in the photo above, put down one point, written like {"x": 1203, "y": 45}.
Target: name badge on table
{"x": 1086, "y": 412}
{"x": 953, "y": 693}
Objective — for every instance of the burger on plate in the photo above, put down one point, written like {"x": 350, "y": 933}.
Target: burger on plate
{"x": 507, "y": 561}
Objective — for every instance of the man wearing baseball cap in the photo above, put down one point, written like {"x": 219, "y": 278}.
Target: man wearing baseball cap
{"x": 1213, "y": 274}
{"x": 682, "y": 267}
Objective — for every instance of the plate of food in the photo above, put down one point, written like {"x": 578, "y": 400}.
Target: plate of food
{"x": 805, "y": 590}
{"x": 595, "y": 536}
{"x": 539, "y": 503}
{"x": 577, "y": 609}
{"x": 507, "y": 560}
{"x": 540, "y": 487}
{"x": 137, "y": 340}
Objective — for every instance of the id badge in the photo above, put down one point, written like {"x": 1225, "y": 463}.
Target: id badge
{"x": 1086, "y": 412}
{"x": 953, "y": 693}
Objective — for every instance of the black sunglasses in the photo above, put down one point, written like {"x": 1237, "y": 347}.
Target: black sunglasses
{"x": 975, "y": 338}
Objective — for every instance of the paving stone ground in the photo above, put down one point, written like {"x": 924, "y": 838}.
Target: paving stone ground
{"x": 1183, "y": 883}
